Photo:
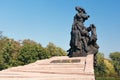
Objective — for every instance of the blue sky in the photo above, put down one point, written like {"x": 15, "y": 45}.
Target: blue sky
{"x": 47, "y": 21}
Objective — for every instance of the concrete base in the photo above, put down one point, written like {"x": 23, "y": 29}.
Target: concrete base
{"x": 65, "y": 68}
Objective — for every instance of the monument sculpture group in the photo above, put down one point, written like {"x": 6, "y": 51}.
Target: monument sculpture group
{"x": 83, "y": 39}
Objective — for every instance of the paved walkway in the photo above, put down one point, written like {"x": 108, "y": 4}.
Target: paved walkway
{"x": 56, "y": 68}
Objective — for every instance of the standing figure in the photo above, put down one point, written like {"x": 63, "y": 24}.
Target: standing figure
{"x": 83, "y": 39}
{"x": 78, "y": 43}
{"x": 92, "y": 45}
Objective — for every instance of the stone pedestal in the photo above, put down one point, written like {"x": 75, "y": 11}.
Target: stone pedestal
{"x": 56, "y": 68}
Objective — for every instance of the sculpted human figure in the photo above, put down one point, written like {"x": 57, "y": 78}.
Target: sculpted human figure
{"x": 75, "y": 39}
{"x": 93, "y": 38}
{"x": 93, "y": 46}
{"x": 82, "y": 42}
{"x": 78, "y": 33}
{"x": 80, "y": 18}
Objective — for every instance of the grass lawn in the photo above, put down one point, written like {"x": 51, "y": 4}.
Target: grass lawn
{"x": 107, "y": 78}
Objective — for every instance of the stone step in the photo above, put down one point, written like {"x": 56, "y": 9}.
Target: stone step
{"x": 61, "y": 68}
{"x": 48, "y": 78}
{"x": 55, "y": 65}
{"x": 40, "y": 76}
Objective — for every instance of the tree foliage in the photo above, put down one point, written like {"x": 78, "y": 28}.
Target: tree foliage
{"x": 115, "y": 57}
{"x": 106, "y": 67}
{"x": 100, "y": 68}
{"x": 28, "y": 52}
{"x": 8, "y": 52}
{"x": 55, "y": 51}
{"x": 109, "y": 68}
{"x": 14, "y": 53}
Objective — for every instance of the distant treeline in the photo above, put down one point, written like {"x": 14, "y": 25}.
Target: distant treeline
{"x": 108, "y": 68}
{"x": 14, "y": 53}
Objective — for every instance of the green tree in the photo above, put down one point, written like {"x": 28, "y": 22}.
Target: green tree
{"x": 8, "y": 52}
{"x": 100, "y": 69}
{"x": 2, "y": 64}
{"x": 14, "y": 53}
{"x": 61, "y": 52}
{"x": 31, "y": 51}
{"x": 115, "y": 57}
{"x": 53, "y": 50}
{"x": 110, "y": 71}
{"x": 3, "y": 41}
{"x": 28, "y": 52}
{"x": 43, "y": 53}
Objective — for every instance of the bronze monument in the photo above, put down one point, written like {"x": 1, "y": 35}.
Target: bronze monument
{"x": 83, "y": 39}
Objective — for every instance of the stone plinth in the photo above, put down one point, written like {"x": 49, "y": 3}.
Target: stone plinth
{"x": 56, "y": 68}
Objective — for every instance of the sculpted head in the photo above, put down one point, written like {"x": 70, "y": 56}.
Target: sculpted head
{"x": 80, "y": 9}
